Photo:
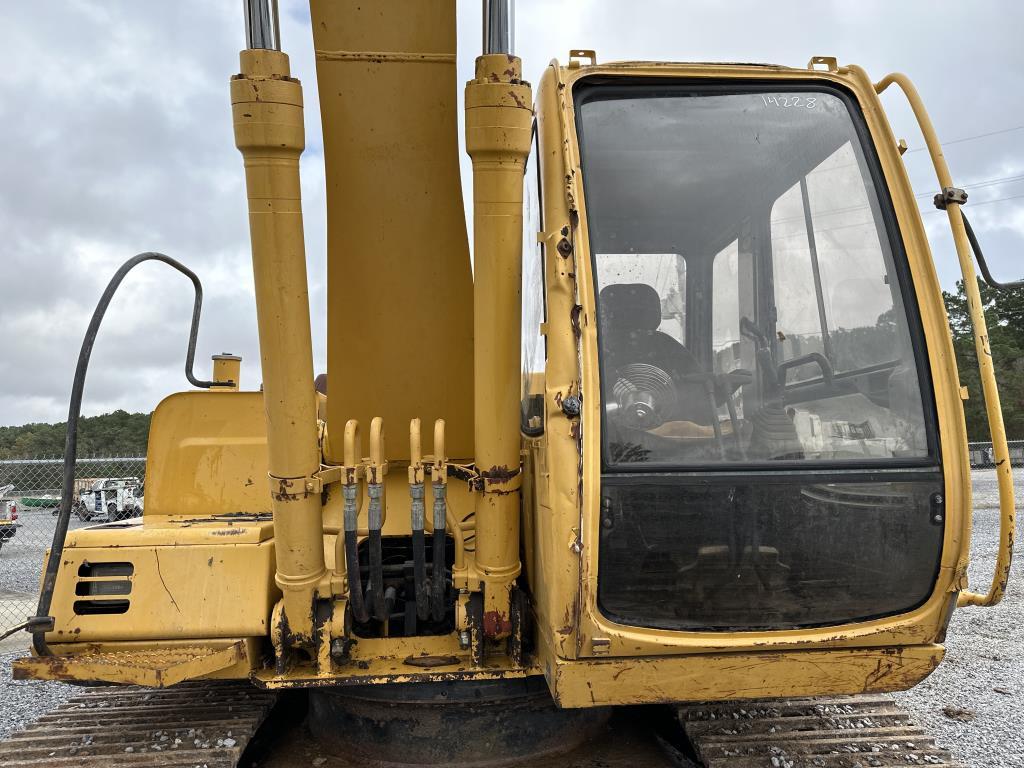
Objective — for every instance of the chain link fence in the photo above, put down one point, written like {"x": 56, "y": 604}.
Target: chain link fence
{"x": 106, "y": 489}
{"x": 113, "y": 488}
{"x": 982, "y": 455}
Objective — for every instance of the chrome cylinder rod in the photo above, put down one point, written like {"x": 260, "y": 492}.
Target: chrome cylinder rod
{"x": 262, "y": 27}
{"x": 499, "y": 26}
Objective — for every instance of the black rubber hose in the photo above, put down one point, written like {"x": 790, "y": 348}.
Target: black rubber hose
{"x": 419, "y": 570}
{"x": 355, "y": 581}
{"x": 976, "y": 247}
{"x": 437, "y": 576}
{"x": 380, "y": 611}
{"x": 41, "y": 623}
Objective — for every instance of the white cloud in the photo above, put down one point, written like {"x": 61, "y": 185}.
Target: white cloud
{"x": 117, "y": 138}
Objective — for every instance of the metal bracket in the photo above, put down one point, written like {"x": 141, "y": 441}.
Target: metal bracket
{"x": 581, "y": 53}
{"x": 294, "y": 488}
{"x": 950, "y": 195}
{"x": 829, "y": 61}
{"x": 40, "y": 624}
{"x": 499, "y": 480}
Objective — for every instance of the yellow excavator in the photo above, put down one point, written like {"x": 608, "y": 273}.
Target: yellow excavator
{"x": 688, "y": 433}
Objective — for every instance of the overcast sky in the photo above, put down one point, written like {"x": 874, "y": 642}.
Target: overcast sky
{"x": 116, "y": 138}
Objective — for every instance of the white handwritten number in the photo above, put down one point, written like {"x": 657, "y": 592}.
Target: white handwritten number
{"x": 790, "y": 101}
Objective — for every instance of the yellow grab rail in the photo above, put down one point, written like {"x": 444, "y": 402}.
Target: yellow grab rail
{"x": 981, "y": 343}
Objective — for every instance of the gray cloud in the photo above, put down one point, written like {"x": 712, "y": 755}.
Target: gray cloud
{"x": 116, "y": 137}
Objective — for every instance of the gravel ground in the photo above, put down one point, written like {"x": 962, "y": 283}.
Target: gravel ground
{"x": 23, "y": 701}
{"x": 21, "y": 558}
{"x": 973, "y": 704}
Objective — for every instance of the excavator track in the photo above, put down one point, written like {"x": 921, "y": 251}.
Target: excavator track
{"x": 209, "y": 725}
{"x": 191, "y": 725}
{"x": 839, "y": 732}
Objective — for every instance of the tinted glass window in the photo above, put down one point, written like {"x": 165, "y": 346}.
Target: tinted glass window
{"x": 749, "y": 304}
{"x": 767, "y": 458}
{"x": 794, "y": 552}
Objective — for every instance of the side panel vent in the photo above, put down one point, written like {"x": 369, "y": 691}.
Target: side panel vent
{"x": 107, "y": 584}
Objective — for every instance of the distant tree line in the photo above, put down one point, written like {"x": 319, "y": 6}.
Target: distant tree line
{"x": 1004, "y": 316}
{"x": 113, "y": 434}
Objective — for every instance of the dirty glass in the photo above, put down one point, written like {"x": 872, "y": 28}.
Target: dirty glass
{"x": 793, "y": 552}
{"x": 768, "y": 460}
{"x": 749, "y": 304}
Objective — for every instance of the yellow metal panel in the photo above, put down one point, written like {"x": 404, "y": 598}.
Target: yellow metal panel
{"x": 223, "y": 588}
{"x": 740, "y": 676}
{"x": 400, "y": 315}
{"x": 207, "y": 455}
{"x": 556, "y": 559}
{"x": 251, "y": 655}
{"x": 156, "y": 668}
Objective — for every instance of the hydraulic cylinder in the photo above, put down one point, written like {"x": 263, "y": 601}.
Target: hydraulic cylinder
{"x": 498, "y": 121}
{"x": 267, "y": 108}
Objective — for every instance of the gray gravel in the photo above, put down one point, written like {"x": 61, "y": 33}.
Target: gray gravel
{"x": 23, "y": 701}
{"x": 21, "y": 558}
{"x": 973, "y": 704}
{"x": 981, "y": 681}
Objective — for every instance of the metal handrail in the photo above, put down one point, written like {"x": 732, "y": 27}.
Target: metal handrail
{"x": 981, "y": 342}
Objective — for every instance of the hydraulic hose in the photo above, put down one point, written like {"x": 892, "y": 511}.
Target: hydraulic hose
{"x": 976, "y": 247}
{"x": 419, "y": 554}
{"x": 42, "y": 622}
{"x": 355, "y": 581}
{"x": 437, "y": 576}
{"x": 380, "y": 611}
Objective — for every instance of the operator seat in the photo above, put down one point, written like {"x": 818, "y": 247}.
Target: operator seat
{"x": 630, "y": 314}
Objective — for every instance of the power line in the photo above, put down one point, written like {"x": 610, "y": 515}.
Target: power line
{"x": 972, "y": 138}
{"x": 872, "y": 221}
{"x": 922, "y": 196}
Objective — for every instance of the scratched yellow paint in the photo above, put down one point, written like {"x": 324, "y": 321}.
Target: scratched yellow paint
{"x": 196, "y": 584}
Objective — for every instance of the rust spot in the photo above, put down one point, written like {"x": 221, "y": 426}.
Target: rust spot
{"x": 574, "y": 319}
{"x": 209, "y": 563}
{"x": 564, "y": 248}
{"x": 56, "y": 669}
{"x": 499, "y": 475}
{"x": 497, "y": 624}
{"x": 516, "y": 98}
{"x": 284, "y": 490}
{"x": 429, "y": 662}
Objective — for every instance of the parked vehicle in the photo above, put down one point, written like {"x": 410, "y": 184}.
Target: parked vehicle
{"x": 46, "y": 501}
{"x": 116, "y": 498}
{"x": 8, "y": 515}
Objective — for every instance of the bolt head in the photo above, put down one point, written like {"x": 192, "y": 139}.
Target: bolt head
{"x": 572, "y": 406}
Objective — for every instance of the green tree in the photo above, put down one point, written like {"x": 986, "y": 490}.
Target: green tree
{"x": 1004, "y": 316}
{"x": 111, "y": 434}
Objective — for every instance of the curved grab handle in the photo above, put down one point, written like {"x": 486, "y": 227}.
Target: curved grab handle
{"x": 988, "y": 379}
{"x": 42, "y": 622}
